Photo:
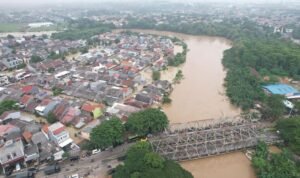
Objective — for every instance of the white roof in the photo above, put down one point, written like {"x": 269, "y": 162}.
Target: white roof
{"x": 40, "y": 108}
{"x": 61, "y": 74}
{"x": 65, "y": 143}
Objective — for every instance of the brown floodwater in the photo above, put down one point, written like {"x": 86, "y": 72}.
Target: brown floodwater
{"x": 200, "y": 96}
{"x": 233, "y": 165}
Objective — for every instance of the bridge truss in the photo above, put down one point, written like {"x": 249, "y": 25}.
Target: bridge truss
{"x": 198, "y": 139}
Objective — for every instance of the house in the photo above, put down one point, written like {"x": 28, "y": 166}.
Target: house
{"x": 144, "y": 99}
{"x": 60, "y": 109}
{"x": 121, "y": 110}
{"x": 280, "y": 89}
{"x": 30, "y": 89}
{"x": 31, "y": 152}
{"x": 8, "y": 129}
{"x": 45, "y": 107}
{"x": 11, "y": 154}
{"x": 59, "y": 135}
{"x": 11, "y": 62}
{"x": 3, "y": 80}
{"x": 70, "y": 115}
{"x": 86, "y": 131}
{"x": 26, "y": 99}
{"x": 93, "y": 109}
{"x": 164, "y": 85}
{"x": 10, "y": 115}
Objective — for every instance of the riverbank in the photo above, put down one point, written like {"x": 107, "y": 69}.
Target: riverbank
{"x": 201, "y": 94}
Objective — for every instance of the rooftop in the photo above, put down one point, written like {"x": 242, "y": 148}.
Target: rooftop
{"x": 280, "y": 89}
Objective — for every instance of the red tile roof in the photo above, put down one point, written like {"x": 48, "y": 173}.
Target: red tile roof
{"x": 27, "y": 89}
{"x": 89, "y": 107}
{"x": 27, "y": 135}
{"x": 25, "y": 99}
{"x": 6, "y": 128}
{"x": 58, "y": 130}
{"x": 45, "y": 128}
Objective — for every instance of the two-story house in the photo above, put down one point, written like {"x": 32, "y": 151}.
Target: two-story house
{"x": 12, "y": 152}
{"x": 12, "y": 62}
{"x": 59, "y": 135}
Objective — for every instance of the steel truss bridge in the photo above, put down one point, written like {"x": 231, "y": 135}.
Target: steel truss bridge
{"x": 207, "y": 138}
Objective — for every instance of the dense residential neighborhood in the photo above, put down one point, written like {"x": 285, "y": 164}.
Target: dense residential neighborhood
{"x": 77, "y": 92}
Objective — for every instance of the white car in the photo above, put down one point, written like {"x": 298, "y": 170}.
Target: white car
{"x": 95, "y": 151}
{"x": 74, "y": 176}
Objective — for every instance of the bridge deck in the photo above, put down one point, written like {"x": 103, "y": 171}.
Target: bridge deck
{"x": 198, "y": 142}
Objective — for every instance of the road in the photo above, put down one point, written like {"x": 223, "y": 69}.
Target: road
{"x": 96, "y": 168}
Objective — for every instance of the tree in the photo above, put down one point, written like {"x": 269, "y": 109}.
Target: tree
{"x": 56, "y": 91}
{"x": 108, "y": 133}
{"x": 141, "y": 162}
{"x": 51, "y": 118}
{"x": 147, "y": 121}
{"x": 273, "y": 165}
{"x": 155, "y": 75}
{"x": 7, "y": 105}
{"x": 35, "y": 59}
{"x": 290, "y": 132}
{"x": 274, "y": 108}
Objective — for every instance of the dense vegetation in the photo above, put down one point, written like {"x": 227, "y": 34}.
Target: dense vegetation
{"x": 7, "y": 105}
{"x": 269, "y": 165}
{"x": 82, "y": 29}
{"x": 296, "y": 33}
{"x": 147, "y": 121}
{"x": 51, "y": 118}
{"x": 35, "y": 59}
{"x": 290, "y": 132}
{"x": 108, "y": 133}
{"x": 141, "y": 162}
{"x": 155, "y": 75}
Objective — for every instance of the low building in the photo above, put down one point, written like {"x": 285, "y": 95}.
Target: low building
{"x": 11, "y": 153}
{"x": 45, "y": 107}
{"x": 59, "y": 135}
{"x": 11, "y": 62}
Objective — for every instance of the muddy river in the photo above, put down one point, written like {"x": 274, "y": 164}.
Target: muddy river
{"x": 199, "y": 96}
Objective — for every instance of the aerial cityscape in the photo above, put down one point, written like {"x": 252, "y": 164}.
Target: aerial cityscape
{"x": 150, "y": 89}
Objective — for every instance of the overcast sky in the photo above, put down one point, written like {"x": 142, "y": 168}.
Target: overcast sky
{"x": 85, "y": 1}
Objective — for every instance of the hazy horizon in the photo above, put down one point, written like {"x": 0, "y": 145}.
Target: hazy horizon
{"x": 15, "y": 2}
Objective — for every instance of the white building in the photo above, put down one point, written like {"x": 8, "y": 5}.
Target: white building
{"x": 3, "y": 80}
{"x": 59, "y": 135}
{"x": 40, "y": 24}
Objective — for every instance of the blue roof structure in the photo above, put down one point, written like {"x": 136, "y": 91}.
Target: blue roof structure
{"x": 280, "y": 89}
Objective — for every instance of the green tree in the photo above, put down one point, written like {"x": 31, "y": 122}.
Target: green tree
{"x": 141, "y": 162}
{"x": 56, "y": 91}
{"x": 147, "y": 121}
{"x": 273, "y": 165}
{"x": 35, "y": 59}
{"x": 290, "y": 132}
{"x": 274, "y": 108}
{"x": 51, "y": 118}
{"x": 108, "y": 133}
{"x": 155, "y": 75}
{"x": 154, "y": 160}
{"x": 7, "y": 105}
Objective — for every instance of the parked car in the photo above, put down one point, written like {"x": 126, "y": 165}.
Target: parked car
{"x": 32, "y": 169}
{"x": 52, "y": 169}
{"x": 26, "y": 174}
{"x": 95, "y": 151}
{"x": 74, "y": 158}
